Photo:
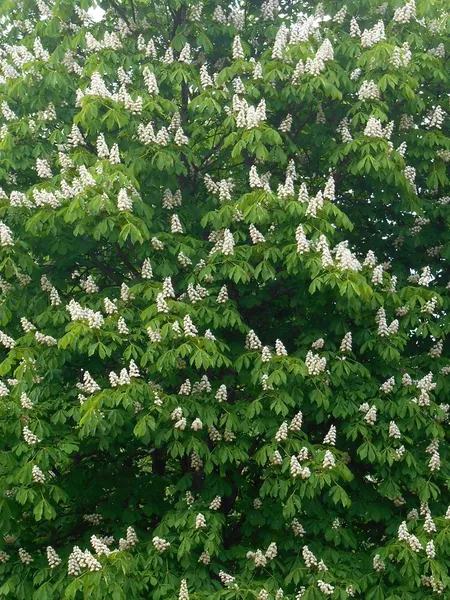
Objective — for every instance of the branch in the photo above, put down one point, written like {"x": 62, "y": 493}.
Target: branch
{"x": 125, "y": 260}
{"x": 120, "y": 11}
{"x": 158, "y": 462}
{"x": 178, "y": 18}
{"x": 133, "y": 10}
{"x": 106, "y": 270}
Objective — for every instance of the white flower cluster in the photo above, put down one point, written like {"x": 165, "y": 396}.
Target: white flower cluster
{"x": 345, "y": 259}
{"x": 339, "y": 17}
{"x": 435, "y": 460}
{"x": 388, "y": 385}
{"x": 257, "y": 181}
{"x": 6, "y": 238}
{"x": 435, "y": 118}
{"x": 276, "y": 459}
{"x": 314, "y": 363}
{"x": 189, "y": 328}
{"x": 200, "y": 521}
{"x": 405, "y": 13}
{"x": 378, "y": 564}
{"x": 266, "y": 354}
{"x": 297, "y": 470}
{"x": 309, "y": 558}
{"x": 383, "y": 329}
{"x": 261, "y": 559}
{"x": 4, "y": 391}
{"x": 111, "y": 40}
{"x": 430, "y": 305}
{"x": 314, "y": 205}
{"x": 160, "y": 544}
{"x": 226, "y": 578}
{"x": 93, "y": 519}
{"x": 330, "y": 437}
{"x": 99, "y": 88}
{"x": 146, "y": 133}
{"x": 197, "y": 424}
{"x": 150, "y": 82}
{"x": 94, "y": 320}
{"x": 99, "y": 545}
{"x": 316, "y": 65}
{"x": 344, "y": 130}
{"x": 438, "y": 52}
{"x": 30, "y": 438}
{"x": 88, "y": 385}
{"x": 170, "y": 200}
{"x": 6, "y": 340}
{"x": 52, "y": 557}
{"x": 370, "y": 416}
{"x": 297, "y": 422}
{"x": 404, "y": 536}
{"x": 104, "y": 152}
{"x": 394, "y": 431}
{"x": 425, "y": 385}
{"x": 205, "y": 558}
{"x": 25, "y": 401}
{"x": 130, "y": 540}
{"x": 124, "y": 377}
{"x": 196, "y": 462}
{"x": 216, "y": 503}
{"x": 346, "y": 344}
{"x": 437, "y": 349}
{"x": 282, "y": 432}
{"x": 237, "y": 50}
{"x": 370, "y": 37}
{"x": 25, "y": 557}
{"x": 247, "y": 116}
{"x": 399, "y": 453}
{"x": 222, "y": 189}
{"x": 184, "y": 594}
{"x": 255, "y": 235}
{"x": 368, "y": 91}
{"x": 401, "y": 57}
{"x": 328, "y": 461}
{"x": 79, "y": 560}
{"x": 437, "y": 586}
{"x": 326, "y": 588}
{"x": 374, "y": 129}
{"x": 286, "y": 124}
{"x": 7, "y": 112}
{"x": 124, "y": 202}
{"x": 303, "y": 244}
{"x": 43, "y": 168}
{"x": 281, "y": 40}
{"x": 297, "y": 528}
{"x": 286, "y": 190}
{"x": 37, "y": 475}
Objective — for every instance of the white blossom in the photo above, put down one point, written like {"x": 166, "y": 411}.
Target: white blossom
{"x": 330, "y": 437}
{"x": 25, "y": 557}
{"x": 124, "y": 202}
{"x": 37, "y": 475}
{"x": 52, "y": 557}
{"x": 329, "y": 461}
{"x": 315, "y": 364}
{"x": 200, "y": 521}
{"x": 406, "y": 13}
{"x": 160, "y": 544}
{"x": 238, "y": 51}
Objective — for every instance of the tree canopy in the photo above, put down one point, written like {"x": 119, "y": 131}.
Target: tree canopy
{"x": 224, "y": 246}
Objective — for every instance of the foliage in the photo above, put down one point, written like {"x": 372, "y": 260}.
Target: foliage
{"x": 224, "y": 300}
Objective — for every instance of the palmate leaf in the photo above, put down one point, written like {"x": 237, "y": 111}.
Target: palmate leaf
{"x": 224, "y": 300}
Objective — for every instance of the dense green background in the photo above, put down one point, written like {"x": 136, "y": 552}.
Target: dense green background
{"x": 117, "y": 453}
